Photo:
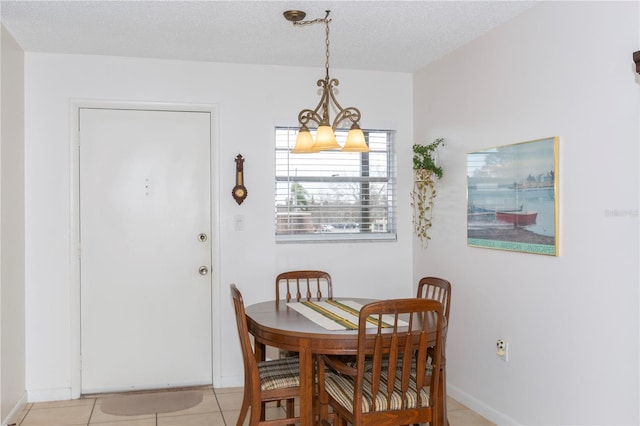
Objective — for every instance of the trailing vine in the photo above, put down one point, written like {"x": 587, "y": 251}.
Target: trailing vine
{"x": 424, "y": 191}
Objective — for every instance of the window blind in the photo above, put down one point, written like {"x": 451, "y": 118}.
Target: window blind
{"x": 334, "y": 195}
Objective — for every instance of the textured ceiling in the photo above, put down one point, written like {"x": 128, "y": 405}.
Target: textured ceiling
{"x": 369, "y": 35}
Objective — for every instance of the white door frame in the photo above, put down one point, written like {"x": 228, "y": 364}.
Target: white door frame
{"x": 74, "y": 226}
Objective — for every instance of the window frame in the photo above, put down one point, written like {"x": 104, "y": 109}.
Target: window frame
{"x": 390, "y": 216}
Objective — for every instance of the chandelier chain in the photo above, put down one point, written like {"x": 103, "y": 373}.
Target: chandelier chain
{"x": 326, "y": 64}
{"x": 311, "y": 22}
{"x": 326, "y": 20}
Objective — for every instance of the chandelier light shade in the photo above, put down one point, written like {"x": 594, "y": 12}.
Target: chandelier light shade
{"x": 325, "y": 133}
{"x": 304, "y": 141}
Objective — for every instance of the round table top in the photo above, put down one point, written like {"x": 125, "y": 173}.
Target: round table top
{"x": 273, "y": 323}
{"x": 276, "y": 324}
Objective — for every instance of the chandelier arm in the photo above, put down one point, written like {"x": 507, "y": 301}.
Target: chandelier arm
{"x": 350, "y": 113}
{"x": 315, "y": 114}
{"x": 307, "y": 115}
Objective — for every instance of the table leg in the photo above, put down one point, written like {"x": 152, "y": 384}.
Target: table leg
{"x": 307, "y": 383}
{"x": 322, "y": 398}
{"x": 261, "y": 351}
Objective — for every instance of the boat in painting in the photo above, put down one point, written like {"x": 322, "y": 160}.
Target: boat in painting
{"x": 477, "y": 213}
{"x": 518, "y": 218}
{"x": 482, "y": 209}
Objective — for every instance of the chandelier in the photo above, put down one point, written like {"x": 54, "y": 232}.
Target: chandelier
{"x": 325, "y": 133}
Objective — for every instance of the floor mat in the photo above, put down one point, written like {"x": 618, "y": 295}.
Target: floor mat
{"x": 147, "y": 403}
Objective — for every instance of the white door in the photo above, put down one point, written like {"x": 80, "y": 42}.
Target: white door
{"x": 145, "y": 243}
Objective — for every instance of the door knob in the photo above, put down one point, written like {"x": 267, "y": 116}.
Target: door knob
{"x": 203, "y": 270}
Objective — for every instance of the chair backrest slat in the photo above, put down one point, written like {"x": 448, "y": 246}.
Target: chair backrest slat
{"x": 304, "y": 285}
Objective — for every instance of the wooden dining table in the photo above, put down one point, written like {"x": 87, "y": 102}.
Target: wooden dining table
{"x": 275, "y": 324}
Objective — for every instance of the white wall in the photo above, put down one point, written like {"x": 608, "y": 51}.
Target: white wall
{"x": 12, "y": 307}
{"x": 250, "y": 101}
{"x": 560, "y": 69}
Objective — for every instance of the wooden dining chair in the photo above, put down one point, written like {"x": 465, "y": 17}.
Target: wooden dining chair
{"x": 439, "y": 289}
{"x": 436, "y": 289}
{"x": 264, "y": 381}
{"x": 386, "y": 386}
{"x": 304, "y": 285}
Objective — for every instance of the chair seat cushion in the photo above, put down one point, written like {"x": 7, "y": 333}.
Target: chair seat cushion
{"x": 279, "y": 373}
{"x": 341, "y": 388}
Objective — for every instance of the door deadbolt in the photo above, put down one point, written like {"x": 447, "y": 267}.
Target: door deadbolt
{"x": 202, "y": 237}
{"x": 203, "y": 270}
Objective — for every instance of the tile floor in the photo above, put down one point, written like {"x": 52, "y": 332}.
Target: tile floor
{"x": 218, "y": 407}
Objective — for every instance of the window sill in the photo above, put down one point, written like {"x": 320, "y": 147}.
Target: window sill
{"x": 331, "y": 237}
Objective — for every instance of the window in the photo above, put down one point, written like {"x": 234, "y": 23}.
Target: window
{"x": 334, "y": 195}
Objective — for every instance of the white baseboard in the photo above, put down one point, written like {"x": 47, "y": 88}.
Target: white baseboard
{"x": 44, "y": 395}
{"x": 64, "y": 394}
{"x": 480, "y": 407}
{"x": 12, "y": 417}
{"x": 230, "y": 382}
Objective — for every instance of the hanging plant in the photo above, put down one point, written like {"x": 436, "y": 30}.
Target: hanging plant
{"x": 424, "y": 192}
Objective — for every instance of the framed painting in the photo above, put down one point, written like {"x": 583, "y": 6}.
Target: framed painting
{"x": 512, "y": 197}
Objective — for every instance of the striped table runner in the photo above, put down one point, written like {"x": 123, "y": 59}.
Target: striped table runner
{"x": 338, "y": 315}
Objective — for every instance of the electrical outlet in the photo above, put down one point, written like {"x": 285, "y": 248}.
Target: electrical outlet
{"x": 502, "y": 349}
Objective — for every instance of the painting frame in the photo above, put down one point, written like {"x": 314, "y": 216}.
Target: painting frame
{"x": 512, "y": 197}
